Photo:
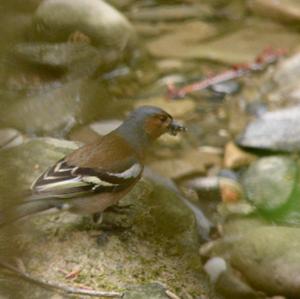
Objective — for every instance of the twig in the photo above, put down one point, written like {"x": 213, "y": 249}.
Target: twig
{"x": 171, "y": 295}
{"x": 59, "y": 287}
{"x": 267, "y": 57}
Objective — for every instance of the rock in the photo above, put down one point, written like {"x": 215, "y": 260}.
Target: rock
{"x": 294, "y": 94}
{"x": 154, "y": 241}
{"x": 160, "y": 230}
{"x": 151, "y": 291}
{"x": 213, "y": 190}
{"x": 203, "y": 224}
{"x": 73, "y": 57}
{"x": 170, "y": 65}
{"x": 121, "y": 4}
{"x": 243, "y": 45}
{"x": 177, "y": 109}
{"x": 57, "y": 20}
{"x": 277, "y": 250}
{"x": 93, "y": 131}
{"x": 206, "y": 187}
{"x": 232, "y": 286}
{"x": 203, "y": 157}
{"x": 259, "y": 254}
{"x": 23, "y": 163}
{"x": 229, "y": 87}
{"x": 153, "y": 30}
{"x": 227, "y": 281}
{"x": 56, "y": 110}
{"x": 176, "y": 168}
{"x": 233, "y": 209}
{"x": 60, "y": 55}
{"x": 275, "y": 131}
{"x": 176, "y": 43}
{"x": 191, "y": 163}
{"x": 237, "y": 116}
{"x": 287, "y": 71}
{"x": 162, "y": 83}
{"x": 286, "y": 11}
{"x": 232, "y": 10}
{"x": 15, "y": 26}
{"x": 157, "y": 29}
{"x": 230, "y": 190}
{"x": 286, "y": 77}
{"x": 235, "y": 157}
{"x": 214, "y": 267}
{"x": 207, "y": 199}
{"x": 218, "y": 193}
{"x": 270, "y": 182}
{"x": 20, "y": 6}
{"x": 10, "y": 138}
{"x": 169, "y": 13}
{"x": 106, "y": 126}
{"x": 256, "y": 108}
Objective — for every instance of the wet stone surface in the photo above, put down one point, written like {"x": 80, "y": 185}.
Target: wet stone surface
{"x": 275, "y": 131}
{"x": 260, "y": 255}
{"x": 157, "y": 230}
{"x": 269, "y": 183}
{"x": 286, "y": 11}
{"x": 151, "y": 291}
{"x": 58, "y": 20}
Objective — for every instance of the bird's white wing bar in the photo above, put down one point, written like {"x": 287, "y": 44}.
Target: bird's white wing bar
{"x": 63, "y": 180}
{"x": 133, "y": 172}
{"x": 71, "y": 183}
{"x": 96, "y": 181}
{"x": 60, "y": 167}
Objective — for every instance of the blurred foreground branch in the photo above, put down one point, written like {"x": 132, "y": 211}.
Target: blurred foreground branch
{"x": 59, "y": 287}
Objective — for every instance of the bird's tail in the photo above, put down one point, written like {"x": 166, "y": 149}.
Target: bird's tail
{"x": 26, "y": 208}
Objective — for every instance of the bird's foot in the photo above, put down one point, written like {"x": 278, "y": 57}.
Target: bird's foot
{"x": 113, "y": 227}
{"x": 97, "y": 218}
{"x": 119, "y": 209}
{"x": 106, "y": 230}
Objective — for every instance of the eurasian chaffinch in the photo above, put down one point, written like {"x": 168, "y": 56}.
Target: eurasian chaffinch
{"x": 97, "y": 175}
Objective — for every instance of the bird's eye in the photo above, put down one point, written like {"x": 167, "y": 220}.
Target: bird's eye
{"x": 163, "y": 118}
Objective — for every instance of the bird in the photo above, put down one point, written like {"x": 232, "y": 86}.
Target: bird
{"x": 97, "y": 175}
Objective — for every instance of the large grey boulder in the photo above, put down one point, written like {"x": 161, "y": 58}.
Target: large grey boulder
{"x": 160, "y": 241}
{"x": 275, "y": 131}
{"x": 270, "y": 182}
{"x": 54, "y": 111}
{"x": 258, "y": 256}
{"x": 286, "y": 11}
{"x": 57, "y": 20}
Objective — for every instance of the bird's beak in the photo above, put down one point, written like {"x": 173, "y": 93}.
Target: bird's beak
{"x": 174, "y": 128}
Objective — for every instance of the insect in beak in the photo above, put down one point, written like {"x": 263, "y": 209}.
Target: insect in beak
{"x": 175, "y": 128}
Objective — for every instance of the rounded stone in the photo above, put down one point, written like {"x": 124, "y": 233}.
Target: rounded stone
{"x": 274, "y": 131}
{"x": 57, "y": 20}
{"x": 269, "y": 182}
{"x": 10, "y": 138}
{"x": 286, "y": 11}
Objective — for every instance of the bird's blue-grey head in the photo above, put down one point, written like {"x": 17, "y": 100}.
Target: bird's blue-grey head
{"x": 147, "y": 123}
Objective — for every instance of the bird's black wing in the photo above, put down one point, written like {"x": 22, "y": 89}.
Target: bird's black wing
{"x": 67, "y": 181}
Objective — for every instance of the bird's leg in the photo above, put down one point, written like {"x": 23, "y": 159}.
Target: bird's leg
{"x": 115, "y": 217}
{"x": 97, "y": 217}
{"x": 119, "y": 209}
{"x": 107, "y": 228}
